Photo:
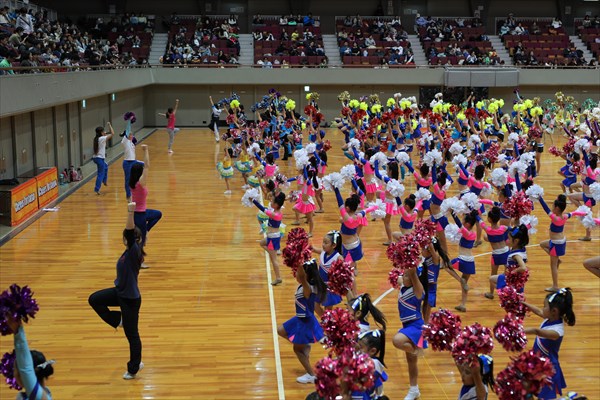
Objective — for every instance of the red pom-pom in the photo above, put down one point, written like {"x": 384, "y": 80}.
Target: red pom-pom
{"x": 454, "y": 109}
{"x": 327, "y": 378}
{"x": 405, "y": 253}
{"x": 423, "y": 232}
{"x": 512, "y": 301}
{"x": 518, "y": 205}
{"x": 357, "y": 371}
{"x": 482, "y": 114}
{"x": 524, "y": 376}
{"x": 230, "y": 119}
{"x": 447, "y": 143}
{"x": 554, "y": 151}
{"x": 472, "y": 341}
{"x": 535, "y": 132}
{"x": 470, "y": 113}
{"x": 510, "y": 334}
{"x": 386, "y": 117}
{"x": 269, "y": 142}
{"x": 289, "y": 123}
{"x": 262, "y": 125}
{"x": 318, "y": 118}
{"x": 577, "y": 167}
{"x": 441, "y": 331}
{"x": 492, "y": 152}
{"x": 569, "y": 146}
{"x": 516, "y": 279}
{"x": 308, "y": 110}
{"x": 340, "y": 328}
{"x": 326, "y": 145}
{"x": 341, "y": 277}
{"x": 297, "y": 250}
{"x": 393, "y": 277}
{"x": 346, "y": 111}
{"x": 522, "y": 143}
{"x": 397, "y": 113}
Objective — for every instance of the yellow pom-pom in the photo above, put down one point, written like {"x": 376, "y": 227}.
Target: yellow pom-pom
{"x": 376, "y": 108}
{"x": 536, "y": 111}
{"x": 525, "y": 128}
{"x": 308, "y": 96}
{"x": 437, "y": 108}
{"x": 516, "y": 107}
{"x": 391, "y": 101}
{"x": 528, "y": 104}
{"x": 414, "y": 124}
{"x": 461, "y": 116}
{"x": 500, "y": 103}
{"x": 493, "y": 107}
{"x": 235, "y": 103}
{"x": 480, "y": 104}
{"x": 504, "y": 129}
{"x": 353, "y": 103}
{"x": 303, "y": 125}
{"x": 290, "y": 105}
{"x": 446, "y": 107}
{"x": 489, "y": 120}
{"x": 364, "y": 106}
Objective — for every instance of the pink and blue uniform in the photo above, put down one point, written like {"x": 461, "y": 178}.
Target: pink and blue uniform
{"x": 304, "y": 328}
{"x": 550, "y": 348}
{"x": 325, "y": 261}
{"x": 408, "y": 218}
{"x": 409, "y": 307}
{"x": 274, "y": 221}
{"x": 465, "y": 264}
{"x": 497, "y": 235}
{"x": 511, "y": 265}
{"x": 590, "y": 177}
{"x": 371, "y": 187}
{"x": 557, "y": 225}
{"x": 433, "y": 272}
{"x": 353, "y": 251}
{"x": 422, "y": 183}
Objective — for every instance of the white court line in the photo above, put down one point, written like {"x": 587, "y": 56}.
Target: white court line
{"x": 390, "y": 290}
{"x": 278, "y": 369}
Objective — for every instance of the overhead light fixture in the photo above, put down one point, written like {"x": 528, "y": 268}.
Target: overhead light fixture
{"x": 307, "y": 88}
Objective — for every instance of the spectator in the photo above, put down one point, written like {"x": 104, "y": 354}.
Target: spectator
{"x": 285, "y": 63}
{"x": 396, "y": 58}
{"x": 307, "y": 34}
{"x": 555, "y": 26}
{"x": 324, "y": 62}
{"x": 292, "y": 21}
{"x": 232, "y": 20}
{"x": 531, "y": 59}
{"x": 25, "y": 21}
{"x": 344, "y": 49}
{"x": 510, "y": 21}
{"x": 5, "y": 19}
{"x": 308, "y": 20}
{"x": 420, "y": 22}
{"x": 519, "y": 30}
{"x": 266, "y": 63}
{"x": 370, "y": 42}
{"x": 535, "y": 29}
{"x": 396, "y": 23}
{"x": 258, "y": 20}
{"x": 295, "y": 35}
{"x": 7, "y": 63}
{"x": 16, "y": 40}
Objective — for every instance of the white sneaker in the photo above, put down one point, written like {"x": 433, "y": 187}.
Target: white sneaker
{"x": 413, "y": 394}
{"x": 228, "y": 192}
{"x": 245, "y": 186}
{"x": 128, "y": 376}
{"x": 144, "y": 266}
{"x": 306, "y": 378}
{"x": 170, "y": 151}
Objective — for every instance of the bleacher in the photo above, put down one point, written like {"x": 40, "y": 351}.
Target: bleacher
{"x": 589, "y": 32}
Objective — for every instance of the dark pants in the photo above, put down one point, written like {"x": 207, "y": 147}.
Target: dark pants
{"x": 130, "y": 310}
{"x": 146, "y": 220}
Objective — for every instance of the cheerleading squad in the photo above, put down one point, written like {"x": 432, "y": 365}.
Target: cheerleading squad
{"x": 492, "y": 159}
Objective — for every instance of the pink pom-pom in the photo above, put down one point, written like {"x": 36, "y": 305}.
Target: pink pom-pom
{"x": 447, "y": 143}
{"x": 341, "y": 277}
{"x": 297, "y": 250}
{"x": 578, "y": 166}
{"x": 510, "y": 334}
{"x": 517, "y": 279}
{"x": 472, "y": 341}
{"x": 326, "y": 381}
{"x": 230, "y": 119}
{"x": 393, "y": 277}
{"x": 423, "y": 232}
{"x": 512, "y": 301}
{"x": 357, "y": 371}
{"x": 569, "y": 146}
{"x": 554, "y": 151}
{"x": 535, "y": 132}
{"x": 518, "y": 205}
{"x": 524, "y": 376}
{"x": 340, "y": 329}
{"x": 441, "y": 331}
{"x": 405, "y": 253}
{"x": 491, "y": 154}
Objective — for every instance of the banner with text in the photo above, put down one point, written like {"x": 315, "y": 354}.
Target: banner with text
{"x": 24, "y": 201}
{"x": 47, "y": 186}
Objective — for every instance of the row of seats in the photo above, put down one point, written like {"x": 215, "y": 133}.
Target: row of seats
{"x": 292, "y": 60}
{"x": 589, "y": 36}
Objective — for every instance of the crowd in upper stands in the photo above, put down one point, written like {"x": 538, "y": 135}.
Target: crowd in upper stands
{"x": 32, "y": 40}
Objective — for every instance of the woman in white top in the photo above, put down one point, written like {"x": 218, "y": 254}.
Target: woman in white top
{"x": 128, "y": 143}
{"x": 100, "y": 155}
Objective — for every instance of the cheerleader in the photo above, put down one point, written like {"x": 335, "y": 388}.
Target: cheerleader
{"x": 476, "y": 379}
{"x": 171, "y": 130}
{"x": 433, "y": 257}
{"x": 570, "y": 181}
{"x": 558, "y": 308}
{"x": 128, "y": 143}
{"x": 362, "y": 307}
{"x": 304, "y": 329}
{"x": 321, "y": 166}
{"x": 408, "y": 215}
{"x": 438, "y": 195}
{"x": 330, "y": 252}
{"x": 31, "y": 369}
{"x": 423, "y": 181}
{"x": 305, "y": 204}
{"x": 389, "y": 200}
{"x": 372, "y": 343}
{"x": 214, "y": 118}
{"x": 100, "y": 155}
{"x": 244, "y": 165}
{"x": 225, "y": 169}
{"x": 465, "y": 262}
{"x": 271, "y": 243}
{"x": 476, "y": 185}
{"x": 410, "y": 338}
{"x": 368, "y": 171}
{"x": 556, "y": 246}
{"x": 590, "y": 176}
{"x": 125, "y": 294}
{"x": 496, "y": 235}
{"x": 593, "y": 264}
{"x": 516, "y": 258}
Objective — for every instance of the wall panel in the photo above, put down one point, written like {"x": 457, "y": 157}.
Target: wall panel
{"x": 24, "y": 144}
{"x": 44, "y": 138}
{"x": 130, "y": 100}
{"x": 95, "y": 114}
{"x": 62, "y": 137}
{"x": 6, "y": 149}
{"x": 74, "y": 134}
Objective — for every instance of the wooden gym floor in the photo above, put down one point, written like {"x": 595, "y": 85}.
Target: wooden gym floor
{"x": 208, "y": 313}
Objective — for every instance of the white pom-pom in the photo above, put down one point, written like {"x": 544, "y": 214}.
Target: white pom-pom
{"x": 589, "y": 222}
{"x": 395, "y": 188}
{"x": 379, "y": 213}
{"x": 595, "y": 191}
{"x": 512, "y": 138}
{"x": 255, "y": 148}
{"x": 498, "y": 177}
{"x": 583, "y": 128}
{"x": 380, "y": 157}
{"x": 517, "y": 167}
{"x": 455, "y": 205}
{"x": 531, "y": 222}
{"x": 333, "y": 180}
{"x": 433, "y": 157}
{"x": 251, "y": 194}
{"x": 535, "y": 191}
{"x": 301, "y": 158}
{"x": 474, "y": 140}
{"x": 459, "y": 159}
{"x": 584, "y": 209}
{"x": 300, "y": 153}
{"x": 412, "y": 99}
{"x": 452, "y": 232}
{"x": 582, "y": 144}
{"x": 402, "y": 157}
{"x": 527, "y": 158}
{"x": 354, "y": 143}
{"x": 502, "y": 159}
{"x": 348, "y": 171}
{"x": 487, "y": 190}
{"x": 471, "y": 200}
{"x": 310, "y": 148}
{"x": 455, "y": 149}
{"x": 423, "y": 194}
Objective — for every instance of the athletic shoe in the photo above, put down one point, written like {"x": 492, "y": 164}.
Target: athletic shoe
{"x": 128, "y": 376}
{"x": 170, "y": 151}
{"x": 144, "y": 266}
{"x": 413, "y": 394}
{"x": 306, "y": 378}
{"x": 228, "y": 192}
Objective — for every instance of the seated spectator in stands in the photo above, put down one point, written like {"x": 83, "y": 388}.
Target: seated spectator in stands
{"x": 307, "y": 34}
{"x": 556, "y": 23}
{"x": 355, "y": 50}
{"x": 348, "y": 21}
{"x": 295, "y": 36}
{"x": 402, "y": 34}
{"x": 308, "y": 20}
{"x": 222, "y": 58}
{"x": 420, "y": 22}
{"x": 510, "y": 21}
{"x": 531, "y": 59}
{"x": 232, "y": 20}
{"x": 409, "y": 58}
{"x": 25, "y": 21}
{"x": 223, "y": 34}
{"x": 266, "y": 63}
{"x": 5, "y": 19}
{"x": 593, "y": 63}
{"x": 342, "y": 36}
{"x": 395, "y": 58}
{"x": 284, "y": 35}
{"x": 359, "y": 35}
{"x": 324, "y": 62}
{"x": 292, "y": 21}
{"x": 283, "y": 20}
{"x": 258, "y": 20}
{"x": 370, "y": 42}
{"x": 389, "y": 37}
{"x": 396, "y": 22}
{"x": 16, "y": 40}
{"x": 6, "y": 62}
{"x": 596, "y": 22}
{"x": 519, "y": 30}
{"x": 137, "y": 42}
{"x": 258, "y": 36}
{"x": 344, "y": 49}
{"x": 504, "y": 29}
{"x": 281, "y": 49}
{"x": 535, "y": 29}
{"x": 357, "y": 21}
{"x": 268, "y": 36}
{"x": 472, "y": 59}
{"x": 285, "y": 64}
{"x": 319, "y": 50}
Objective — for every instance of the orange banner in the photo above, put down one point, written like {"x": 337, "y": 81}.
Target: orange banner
{"x": 24, "y": 201}
{"x": 47, "y": 186}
